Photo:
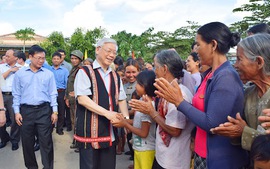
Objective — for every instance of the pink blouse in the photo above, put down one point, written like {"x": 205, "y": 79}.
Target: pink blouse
{"x": 198, "y": 102}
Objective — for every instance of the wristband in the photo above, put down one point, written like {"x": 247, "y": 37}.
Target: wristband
{"x": 155, "y": 115}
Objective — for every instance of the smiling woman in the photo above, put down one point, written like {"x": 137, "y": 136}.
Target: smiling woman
{"x": 220, "y": 95}
{"x": 252, "y": 64}
{"x": 132, "y": 69}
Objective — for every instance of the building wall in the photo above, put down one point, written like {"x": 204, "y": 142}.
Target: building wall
{"x": 9, "y": 41}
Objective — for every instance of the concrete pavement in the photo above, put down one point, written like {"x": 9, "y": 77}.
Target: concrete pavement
{"x": 64, "y": 157}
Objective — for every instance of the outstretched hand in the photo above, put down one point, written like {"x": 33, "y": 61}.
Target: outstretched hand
{"x": 118, "y": 121}
{"x": 169, "y": 91}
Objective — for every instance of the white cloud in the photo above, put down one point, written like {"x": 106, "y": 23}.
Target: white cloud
{"x": 134, "y": 16}
{"x": 84, "y": 15}
{"x": 148, "y": 6}
{"x": 158, "y": 18}
{"x": 6, "y": 28}
{"x": 108, "y": 4}
{"x": 52, "y": 4}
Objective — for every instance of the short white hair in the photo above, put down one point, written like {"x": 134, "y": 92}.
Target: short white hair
{"x": 102, "y": 41}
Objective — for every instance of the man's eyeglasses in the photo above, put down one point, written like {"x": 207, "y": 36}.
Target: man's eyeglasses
{"x": 40, "y": 58}
{"x": 110, "y": 51}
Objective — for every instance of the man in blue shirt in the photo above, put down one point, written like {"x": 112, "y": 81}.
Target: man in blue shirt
{"x": 64, "y": 63}
{"x": 61, "y": 76}
{"x": 35, "y": 107}
{"x": 8, "y": 71}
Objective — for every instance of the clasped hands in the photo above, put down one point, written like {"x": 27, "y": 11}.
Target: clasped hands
{"x": 265, "y": 120}
{"x": 235, "y": 126}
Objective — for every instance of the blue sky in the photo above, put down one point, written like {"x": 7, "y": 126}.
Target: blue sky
{"x": 134, "y": 16}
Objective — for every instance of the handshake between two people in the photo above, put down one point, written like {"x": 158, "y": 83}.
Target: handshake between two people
{"x": 119, "y": 120}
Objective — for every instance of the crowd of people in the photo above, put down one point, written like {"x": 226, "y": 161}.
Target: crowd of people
{"x": 172, "y": 113}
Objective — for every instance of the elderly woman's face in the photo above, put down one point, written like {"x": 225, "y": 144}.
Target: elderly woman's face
{"x": 246, "y": 68}
{"x": 159, "y": 70}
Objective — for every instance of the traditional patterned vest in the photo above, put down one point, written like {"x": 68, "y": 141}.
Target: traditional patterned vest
{"x": 92, "y": 129}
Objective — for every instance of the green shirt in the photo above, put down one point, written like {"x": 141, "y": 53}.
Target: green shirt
{"x": 253, "y": 109}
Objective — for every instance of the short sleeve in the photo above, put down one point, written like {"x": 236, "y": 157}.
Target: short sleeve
{"x": 82, "y": 84}
{"x": 175, "y": 118}
{"x": 122, "y": 93}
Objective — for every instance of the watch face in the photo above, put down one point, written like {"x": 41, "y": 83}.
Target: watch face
{"x": 2, "y": 109}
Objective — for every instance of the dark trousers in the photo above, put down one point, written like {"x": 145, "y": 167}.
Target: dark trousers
{"x": 61, "y": 110}
{"x": 37, "y": 120}
{"x": 129, "y": 137}
{"x": 98, "y": 158}
{"x": 156, "y": 165}
{"x": 15, "y": 129}
{"x": 68, "y": 118}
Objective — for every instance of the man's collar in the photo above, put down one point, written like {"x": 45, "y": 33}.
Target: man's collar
{"x": 16, "y": 64}
{"x": 60, "y": 67}
{"x": 29, "y": 68}
{"x": 96, "y": 65}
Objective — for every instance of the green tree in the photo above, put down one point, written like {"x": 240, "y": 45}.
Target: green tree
{"x": 85, "y": 42}
{"x": 77, "y": 40}
{"x": 144, "y": 45}
{"x": 54, "y": 42}
{"x": 90, "y": 39}
{"x": 181, "y": 39}
{"x": 139, "y": 45}
{"x": 259, "y": 13}
{"x": 149, "y": 42}
{"x": 124, "y": 42}
{"x": 25, "y": 35}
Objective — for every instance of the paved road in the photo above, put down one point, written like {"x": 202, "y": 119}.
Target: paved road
{"x": 65, "y": 158}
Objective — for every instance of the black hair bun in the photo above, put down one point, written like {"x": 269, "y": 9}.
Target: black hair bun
{"x": 235, "y": 39}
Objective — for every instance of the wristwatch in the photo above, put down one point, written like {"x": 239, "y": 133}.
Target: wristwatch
{"x": 56, "y": 113}
{"x": 3, "y": 109}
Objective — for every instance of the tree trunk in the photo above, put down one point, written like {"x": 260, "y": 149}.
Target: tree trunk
{"x": 24, "y": 46}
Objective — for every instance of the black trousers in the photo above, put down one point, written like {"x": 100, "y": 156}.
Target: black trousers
{"x": 98, "y": 158}
{"x": 37, "y": 120}
{"x": 156, "y": 165}
{"x": 68, "y": 118}
{"x": 15, "y": 129}
{"x": 61, "y": 110}
{"x": 129, "y": 137}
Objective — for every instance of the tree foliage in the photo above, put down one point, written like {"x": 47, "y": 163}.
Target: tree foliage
{"x": 90, "y": 39}
{"x": 54, "y": 42}
{"x": 25, "y": 35}
{"x": 85, "y": 41}
{"x": 148, "y": 43}
{"x": 259, "y": 13}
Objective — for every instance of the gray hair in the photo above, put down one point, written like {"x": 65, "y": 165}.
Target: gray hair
{"x": 16, "y": 52}
{"x": 258, "y": 45}
{"x": 172, "y": 60}
{"x": 101, "y": 42}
